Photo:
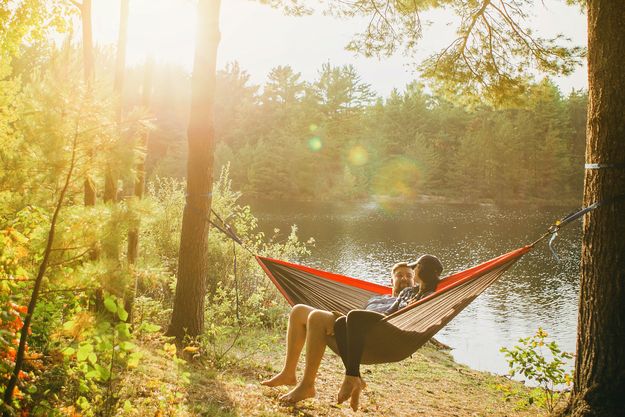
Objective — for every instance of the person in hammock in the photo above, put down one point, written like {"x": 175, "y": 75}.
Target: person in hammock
{"x": 315, "y": 329}
{"x": 351, "y": 330}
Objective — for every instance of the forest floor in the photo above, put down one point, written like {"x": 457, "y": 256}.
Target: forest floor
{"x": 429, "y": 383}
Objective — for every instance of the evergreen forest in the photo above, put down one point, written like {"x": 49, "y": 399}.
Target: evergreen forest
{"x": 334, "y": 139}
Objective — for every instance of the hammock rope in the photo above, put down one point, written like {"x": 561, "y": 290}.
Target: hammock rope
{"x": 553, "y": 230}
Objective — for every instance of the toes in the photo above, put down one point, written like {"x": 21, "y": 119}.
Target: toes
{"x": 344, "y": 394}
{"x": 355, "y": 394}
{"x": 286, "y": 398}
{"x": 346, "y": 389}
{"x": 279, "y": 380}
{"x": 355, "y": 401}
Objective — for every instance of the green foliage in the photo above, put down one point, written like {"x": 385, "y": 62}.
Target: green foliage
{"x": 162, "y": 229}
{"x": 25, "y": 22}
{"x": 329, "y": 139}
{"x": 235, "y": 301}
{"x": 493, "y": 58}
{"x": 103, "y": 348}
{"x": 541, "y": 361}
{"x": 43, "y": 111}
{"x": 226, "y": 319}
{"x": 21, "y": 238}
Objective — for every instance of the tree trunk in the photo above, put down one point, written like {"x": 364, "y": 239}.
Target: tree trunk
{"x": 139, "y": 187}
{"x": 133, "y": 233}
{"x": 600, "y": 363}
{"x": 89, "y": 76}
{"x": 110, "y": 175}
{"x": 188, "y": 313}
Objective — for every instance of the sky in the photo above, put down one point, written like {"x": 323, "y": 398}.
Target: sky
{"x": 261, "y": 38}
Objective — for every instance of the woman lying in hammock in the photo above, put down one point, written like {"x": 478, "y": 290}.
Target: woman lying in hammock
{"x": 316, "y": 328}
{"x": 351, "y": 330}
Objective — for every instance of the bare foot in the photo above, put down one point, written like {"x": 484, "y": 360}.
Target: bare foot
{"x": 358, "y": 387}
{"x": 346, "y": 388}
{"x": 352, "y": 386}
{"x": 299, "y": 393}
{"x": 280, "y": 379}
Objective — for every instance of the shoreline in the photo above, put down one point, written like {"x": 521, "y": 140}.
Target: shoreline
{"x": 426, "y": 199}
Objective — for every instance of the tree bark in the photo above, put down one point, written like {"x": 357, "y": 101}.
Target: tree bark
{"x": 188, "y": 313}
{"x": 110, "y": 176}
{"x": 133, "y": 233}
{"x": 139, "y": 187}
{"x": 89, "y": 77}
{"x": 600, "y": 363}
{"x": 87, "y": 42}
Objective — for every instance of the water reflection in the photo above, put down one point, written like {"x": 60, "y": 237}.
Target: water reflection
{"x": 362, "y": 240}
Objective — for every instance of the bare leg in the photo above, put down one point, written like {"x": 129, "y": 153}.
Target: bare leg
{"x": 295, "y": 339}
{"x": 320, "y": 325}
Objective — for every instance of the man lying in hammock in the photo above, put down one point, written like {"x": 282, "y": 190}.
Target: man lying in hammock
{"x": 316, "y": 329}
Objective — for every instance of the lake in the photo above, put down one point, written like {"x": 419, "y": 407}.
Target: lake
{"x": 365, "y": 239}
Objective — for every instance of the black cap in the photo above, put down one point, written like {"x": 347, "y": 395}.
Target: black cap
{"x": 430, "y": 260}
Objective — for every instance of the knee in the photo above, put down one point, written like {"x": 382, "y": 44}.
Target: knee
{"x": 315, "y": 316}
{"x": 359, "y": 319}
{"x": 320, "y": 318}
{"x": 300, "y": 310}
{"x": 364, "y": 315}
{"x": 354, "y": 314}
{"x": 340, "y": 323}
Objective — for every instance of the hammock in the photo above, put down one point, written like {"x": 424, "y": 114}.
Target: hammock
{"x": 400, "y": 334}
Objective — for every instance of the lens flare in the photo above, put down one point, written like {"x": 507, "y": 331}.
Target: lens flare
{"x": 358, "y": 156}
{"x": 313, "y": 127}
{"x": 314, "y": 144}
{"x": 399, "y": 178}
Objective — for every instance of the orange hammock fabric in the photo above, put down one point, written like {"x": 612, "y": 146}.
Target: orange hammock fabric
{"x": 400, "y": 334}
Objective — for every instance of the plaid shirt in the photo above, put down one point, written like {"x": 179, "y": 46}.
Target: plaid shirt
{"x": 407, "y": 296}
{"x": 380, "y": 303}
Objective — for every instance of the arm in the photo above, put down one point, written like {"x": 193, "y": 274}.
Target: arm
{"x": 393, "y": 308}
{"x": 405, "y": 297}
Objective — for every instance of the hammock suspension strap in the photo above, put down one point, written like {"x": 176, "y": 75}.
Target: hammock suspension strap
{"x": 603, "y": 166}
{"x": 555, "y": 227}
{"x": 222, "y": 226}
{"x": 227, "y": 230}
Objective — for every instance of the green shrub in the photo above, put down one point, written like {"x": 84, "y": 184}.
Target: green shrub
{"x": 102, "y": 349}
{"x": 540, "y": 361}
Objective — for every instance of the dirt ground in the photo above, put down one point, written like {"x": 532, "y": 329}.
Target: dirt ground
{"x": 429, "y": 383}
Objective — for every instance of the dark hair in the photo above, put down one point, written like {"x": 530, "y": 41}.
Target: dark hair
{"x": 431, "y": 268}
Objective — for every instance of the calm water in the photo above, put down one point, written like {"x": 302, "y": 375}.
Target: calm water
{"x": 365, "y": 240}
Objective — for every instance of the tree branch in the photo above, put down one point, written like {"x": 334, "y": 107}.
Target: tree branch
{"x": 75, "y": 3}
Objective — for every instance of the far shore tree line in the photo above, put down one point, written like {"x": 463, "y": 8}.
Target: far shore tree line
{"x": 334, "y": 139}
